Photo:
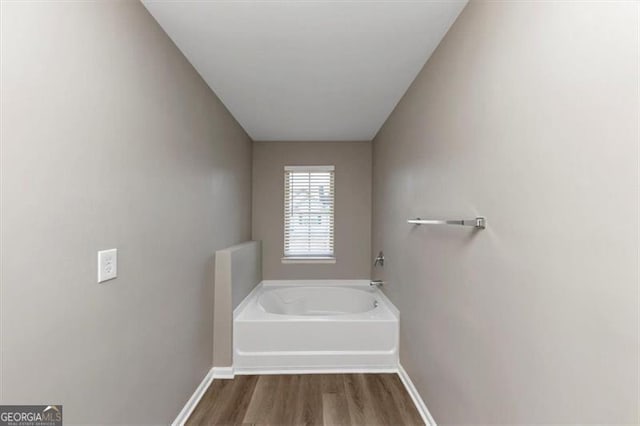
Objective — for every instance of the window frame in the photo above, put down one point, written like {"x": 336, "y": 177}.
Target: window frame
{"x": 290, "y": 259}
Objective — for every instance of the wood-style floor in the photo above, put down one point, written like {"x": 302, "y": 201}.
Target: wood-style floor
{"x": 307, "y": 399}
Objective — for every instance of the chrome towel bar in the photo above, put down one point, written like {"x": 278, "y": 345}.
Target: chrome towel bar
{"x": 478, "y": 222}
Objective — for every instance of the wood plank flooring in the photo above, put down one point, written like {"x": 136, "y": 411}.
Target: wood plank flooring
{"x": 307, "y": 399}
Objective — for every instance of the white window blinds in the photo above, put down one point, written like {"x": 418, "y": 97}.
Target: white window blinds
{"x": 308, "y": 211}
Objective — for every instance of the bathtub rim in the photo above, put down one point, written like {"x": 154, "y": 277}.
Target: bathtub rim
{"x": 362, "y": 301}
{"x": 359, "y": 284}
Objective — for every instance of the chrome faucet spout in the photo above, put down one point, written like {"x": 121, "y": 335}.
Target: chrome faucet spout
{"x": 376, "y": 283}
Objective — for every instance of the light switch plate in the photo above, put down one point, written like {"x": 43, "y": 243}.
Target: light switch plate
{"x": 107, "y": 265}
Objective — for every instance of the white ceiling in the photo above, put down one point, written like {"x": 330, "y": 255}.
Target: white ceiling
{"x": 307, "y": 70}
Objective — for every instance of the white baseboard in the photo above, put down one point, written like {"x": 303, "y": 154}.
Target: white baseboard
{"x": 193, "y": 401}
{"x": 223, "y": 372}
{"x": 415, "y": 396}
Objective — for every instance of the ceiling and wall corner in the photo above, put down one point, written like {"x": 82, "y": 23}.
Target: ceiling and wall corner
{"x": 307, "y": 70}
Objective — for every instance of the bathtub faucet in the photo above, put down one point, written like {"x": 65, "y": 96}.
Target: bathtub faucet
{"x": 376, "y": 283}
{"x": 379, "y": 260}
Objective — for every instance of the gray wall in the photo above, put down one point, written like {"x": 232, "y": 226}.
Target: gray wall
{"x": 110, "y": 139}
{"x": 352, "y": 210}
{"x": 527, "y": 113}
{"x": 238, "y": 271}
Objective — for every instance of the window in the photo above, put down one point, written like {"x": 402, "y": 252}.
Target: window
{"x": 308, "y": 214}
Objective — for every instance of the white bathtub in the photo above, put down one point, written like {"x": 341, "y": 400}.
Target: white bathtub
{"x": 338, "y": 325}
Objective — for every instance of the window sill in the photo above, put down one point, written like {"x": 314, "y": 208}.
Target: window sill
{"x": 309, "y": 260}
